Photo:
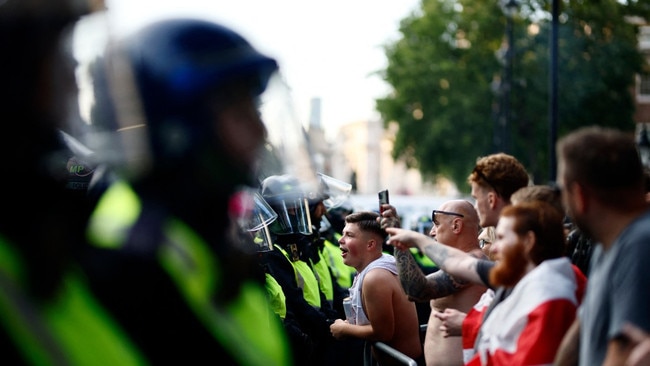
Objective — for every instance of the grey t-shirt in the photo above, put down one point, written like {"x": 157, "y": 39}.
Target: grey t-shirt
{"x": 618, "y": 291}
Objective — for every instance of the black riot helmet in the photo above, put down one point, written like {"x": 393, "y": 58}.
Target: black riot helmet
{"x": 169, "y": 81}
{"x": 287, "y": 197}
{"x": 171, "y": 86}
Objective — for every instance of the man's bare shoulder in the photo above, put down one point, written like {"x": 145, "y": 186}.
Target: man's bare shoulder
{"x": 380, "y": 278}
{"x": 378, "y": 274}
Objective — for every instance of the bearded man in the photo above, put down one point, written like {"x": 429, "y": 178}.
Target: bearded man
{"x": 527, "y": 327}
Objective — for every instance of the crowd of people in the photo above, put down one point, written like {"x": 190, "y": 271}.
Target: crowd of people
{"x": 186, "y": 234}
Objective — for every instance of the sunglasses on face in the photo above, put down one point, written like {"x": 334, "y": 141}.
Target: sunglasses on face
{"x": 438, "y": 212}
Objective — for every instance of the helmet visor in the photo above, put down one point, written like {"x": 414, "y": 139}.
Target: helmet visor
{"x": 293, "y": 217}
{"x": 255, "y": 213}
{"x": 287, "y": 149}
{"x": 336, "y": 191}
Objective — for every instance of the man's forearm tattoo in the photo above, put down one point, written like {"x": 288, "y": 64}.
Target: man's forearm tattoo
{"x": 420, "y": 287}
{"x": 410, "y": 274}
{"x": 438, "y": 254}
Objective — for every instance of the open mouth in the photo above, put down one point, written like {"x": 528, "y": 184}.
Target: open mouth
{"x": 344, "y": 252}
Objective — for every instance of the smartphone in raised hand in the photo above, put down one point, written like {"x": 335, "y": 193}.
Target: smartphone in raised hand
{"x": 383, "y": 198}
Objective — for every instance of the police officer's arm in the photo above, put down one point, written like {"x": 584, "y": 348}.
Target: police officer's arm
{"x": 455, "y": 262}
{"x": 419, "y": 287}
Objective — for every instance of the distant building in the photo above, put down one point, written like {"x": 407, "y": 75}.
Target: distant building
{"x": 361, "y": 154}
{"x": 363, "y": 151}
{"x": 319, "y": 144}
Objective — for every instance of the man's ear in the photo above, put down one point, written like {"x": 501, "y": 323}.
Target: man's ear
{"x": 492, "y": 199}
{"x": 457, "y": 226}
{"x": 579, "y": 197}
{"x": 529, "y": 241}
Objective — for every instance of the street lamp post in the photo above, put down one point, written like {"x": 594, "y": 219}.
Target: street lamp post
{"x": 553, "y": 114}
{"x": 643, "y": 144}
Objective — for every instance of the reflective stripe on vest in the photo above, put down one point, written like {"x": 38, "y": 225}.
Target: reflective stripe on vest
{"x": 71, "y": 329}
{"x": 246, "y": 327}
{"x": 306, "y": 280}
{"x": 276, "y": 296}
{"x": 324, "y": 277}
{"x": 116, "y": 211}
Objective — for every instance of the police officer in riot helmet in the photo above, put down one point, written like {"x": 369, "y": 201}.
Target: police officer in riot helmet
{"x": 286, "y": 196}
{"x": 197, "y": 83}
{"x": 186, "y": 135}
{"x": 293, "y": 235}
{"x": 280, "y": 278}
{"x": 296, "y": 237}
{"x": 49, "y": 315}
{"x": 37, "y": 81}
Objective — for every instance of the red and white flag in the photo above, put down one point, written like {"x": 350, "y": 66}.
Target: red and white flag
{"x": 528, "y": 326}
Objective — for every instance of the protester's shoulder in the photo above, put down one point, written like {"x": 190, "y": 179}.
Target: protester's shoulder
{"x": 642, "y": 224}
{"x": 637, "y": 232}
{"x": 379, "y": 277}
{"x": 643, "y": 220}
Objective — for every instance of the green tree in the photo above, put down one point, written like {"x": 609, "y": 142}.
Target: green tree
{"x": 446, "y": 73}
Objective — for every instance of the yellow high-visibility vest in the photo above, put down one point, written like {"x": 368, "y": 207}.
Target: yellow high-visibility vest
{"x": 306, "y": 280}
{"x": 247, "y": 327}
{"x": 70, "y": 329}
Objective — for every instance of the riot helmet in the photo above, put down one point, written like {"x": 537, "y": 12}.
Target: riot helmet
{"x": 334, "y": 192}
{"x": 327, "y": 194}
{"x": 173, "y": 83}
{"x": 286, "y": 195}
{"x": 177, "y": 75}
{"x": 254, "y": 217}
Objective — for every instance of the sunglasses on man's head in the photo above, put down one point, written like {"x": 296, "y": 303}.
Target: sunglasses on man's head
{"x": 435, "y": 220}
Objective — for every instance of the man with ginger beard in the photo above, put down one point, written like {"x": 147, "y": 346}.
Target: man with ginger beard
{"x": 527, "y": 327}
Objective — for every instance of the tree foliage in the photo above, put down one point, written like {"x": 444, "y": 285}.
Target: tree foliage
{"x": 448, "y": 67}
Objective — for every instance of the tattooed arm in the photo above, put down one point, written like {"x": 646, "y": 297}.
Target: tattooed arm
{"x": 455, "y": 262}
{"x": 420, "y": 287}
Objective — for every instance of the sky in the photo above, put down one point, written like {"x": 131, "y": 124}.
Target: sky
{"x": 327, "y": 49}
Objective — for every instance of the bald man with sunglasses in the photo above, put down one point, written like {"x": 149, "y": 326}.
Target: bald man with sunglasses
{"x": 456, "y": 224}
{"x": 493, "y": 180}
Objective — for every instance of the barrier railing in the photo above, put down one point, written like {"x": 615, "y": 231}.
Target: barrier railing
{"x": 397, "y": 355}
